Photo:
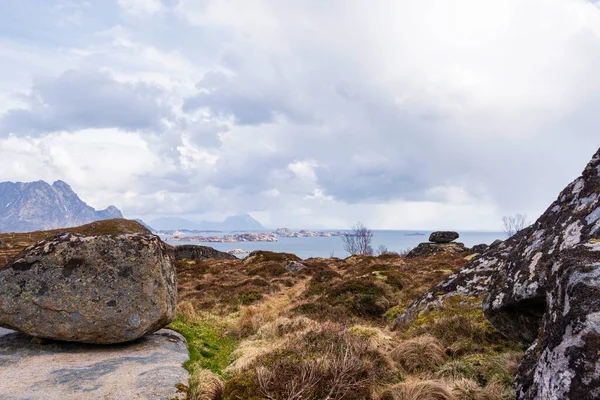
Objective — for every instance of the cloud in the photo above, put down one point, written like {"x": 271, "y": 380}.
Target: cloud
{"x": 397, "y": 113}
{"x": 86, "y": 99}
{"x": 141, "y": 8}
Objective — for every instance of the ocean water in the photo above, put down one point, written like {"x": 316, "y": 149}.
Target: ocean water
{"x": 332, "y": 246}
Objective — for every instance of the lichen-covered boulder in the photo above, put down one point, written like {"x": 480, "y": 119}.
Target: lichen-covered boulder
{"x": 443, "y": 237}
{"x": 541, "y": 287}
{"x": 89, "y": 288}
{"x": 427, "y": 249}
{"x": 479, "y": 248}
{"x": 196, "y": 252}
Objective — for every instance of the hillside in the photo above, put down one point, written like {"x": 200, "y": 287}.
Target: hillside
{"x": 32, "y": 206}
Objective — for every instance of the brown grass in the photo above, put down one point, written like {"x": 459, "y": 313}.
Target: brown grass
{"x": 205, "y": 385}
{"x": 419, "y": 354}
{"x": 418, "y": 390}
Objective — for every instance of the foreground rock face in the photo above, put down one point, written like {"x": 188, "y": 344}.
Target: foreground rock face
{"x": 193, "y": 252}
{"x": 91, "y": 289}
{"x": 148, "y": 368}
{"x": 541, "y": 287}
{"x": 443, "y": 237}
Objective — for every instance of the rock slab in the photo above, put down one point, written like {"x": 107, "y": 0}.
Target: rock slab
{"x": 148, "y": 368}
{"x": 443, "y": 237}
{"x": 89, "y": 288}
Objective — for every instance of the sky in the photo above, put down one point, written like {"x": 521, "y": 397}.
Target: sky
{"x": 401, "y": 114}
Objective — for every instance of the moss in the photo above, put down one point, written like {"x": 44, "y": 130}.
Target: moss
{"x": 359, "y": 296}
{"x": 393, "y": 313}
{"x": 248, "y": 297}
{"x": 208, "y": 343}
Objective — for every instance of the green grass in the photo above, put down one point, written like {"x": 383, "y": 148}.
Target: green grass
{"x": 208, "y": 343}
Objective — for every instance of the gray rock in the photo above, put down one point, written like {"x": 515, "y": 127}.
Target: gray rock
{"x": 443, "y": 237}
{"x": 480, "y": 248}
{"x": 148, "y": 368}
{"x": 541, "y": 287}
{"x": 91, "y": 289}
{"x": 294, "y": 266}
{"x": 195, "y": 252}
{"x": 427, "y": 249}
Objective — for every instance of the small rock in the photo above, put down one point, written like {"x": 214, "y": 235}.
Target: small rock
{"x": 195, "y": 252}
{"x": 443, "y": 237}
{"x": 294, "y": 266}
{"x": 89, "y": 288}
{"x": 480, "y": 248}
{"x": 148, "y": 368}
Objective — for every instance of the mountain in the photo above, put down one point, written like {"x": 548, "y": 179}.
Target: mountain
{"x": 233, "y": 223}
{"x": 32, "y": 206}
{"x": 173, "y": 223}
{"x": 145, "y": 225}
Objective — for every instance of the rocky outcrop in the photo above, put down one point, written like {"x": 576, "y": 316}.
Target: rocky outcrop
{"x": 193, "y": 252}
{"x": 427, "y": 249}
{"x": 541, "y": 287}
{"x": 443, "y": 237}
{"x": 479, "y": 248}
{"x": 33, "y": 206}
{"x": 148, "y": 368}
{"x": 89, "y": 288}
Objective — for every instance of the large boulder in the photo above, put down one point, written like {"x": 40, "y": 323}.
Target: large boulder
{"x": 147, "y": 369}
{"x": 195, "y": 252}
{"x": 427, "y": 249}
{"x": 88, "y": 288}
{"x": 443, "y": 237}
{"x": 541, "y": 287}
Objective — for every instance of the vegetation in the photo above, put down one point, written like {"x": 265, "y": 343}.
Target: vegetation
{"x": 358, "y": 241}
{"x": 256, "y": 330}
{"x": 511, "y": 224}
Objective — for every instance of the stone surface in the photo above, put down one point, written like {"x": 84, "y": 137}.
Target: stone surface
{"x": 294, "y": 266}
{"x": 443, "y": 237}
{"x": 87, "y": 288}
{"x": 427, "y": 249}
{"x": 479, "y": 248}
{"x": 194, "y": 252}
{"x": 148, "y": 368}
{"x": 541, "y": 287}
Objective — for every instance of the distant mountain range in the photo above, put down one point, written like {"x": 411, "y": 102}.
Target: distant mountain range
{"x": 32, "y": 206}
{"x": 234, "y": 223}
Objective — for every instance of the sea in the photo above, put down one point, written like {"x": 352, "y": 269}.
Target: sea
{"x": 307, "y": 247}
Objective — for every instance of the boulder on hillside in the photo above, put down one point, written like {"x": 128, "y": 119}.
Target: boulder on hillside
{"x": 147, "y": 369}
{"x": 541, "y": 287}
{"x": 443, "y": 237}
{"x": 195, "y": 252}
{"x": 427, "y": 249}
{"x": 88, "y": 288}
{"x": 479, "y": 248}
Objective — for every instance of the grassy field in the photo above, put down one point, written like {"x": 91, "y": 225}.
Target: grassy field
{"x": 256, "y": 330}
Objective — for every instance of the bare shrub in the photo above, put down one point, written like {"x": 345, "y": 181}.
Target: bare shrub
{"x": 205, "y": 385}
{"x": 418, "y": 354}
{"x": 383, "y": 250}
{"x": 512, "y": 224}
{"x": 358, "y": 241}
{"x": 418, "y": 390}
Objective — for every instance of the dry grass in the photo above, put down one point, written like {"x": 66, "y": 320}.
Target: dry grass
{"x": 419, "y": 354}
{"x": 418, "y": 390}
{"x": 205, "y": 385}
{"x": 467, "y": 389}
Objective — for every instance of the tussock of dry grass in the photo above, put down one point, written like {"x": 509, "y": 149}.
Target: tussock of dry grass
{"x": 418, "y": 354}
{"x": 418, "y": 390}
{"x": 205, "y": 385}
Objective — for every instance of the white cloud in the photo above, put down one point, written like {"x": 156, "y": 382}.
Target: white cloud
{"x": 141, "y": 8}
